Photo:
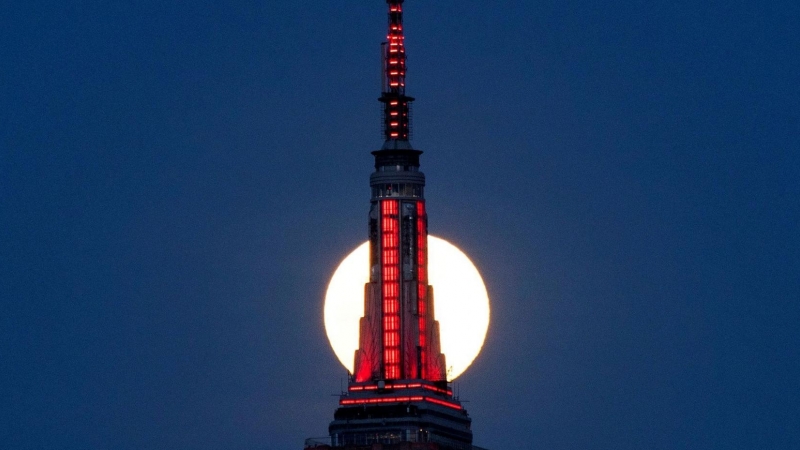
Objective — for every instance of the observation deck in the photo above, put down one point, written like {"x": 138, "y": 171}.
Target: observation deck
{"x": 410, "y": 411}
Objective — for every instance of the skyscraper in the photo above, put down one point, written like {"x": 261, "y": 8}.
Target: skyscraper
{"x": 398, "y": 395}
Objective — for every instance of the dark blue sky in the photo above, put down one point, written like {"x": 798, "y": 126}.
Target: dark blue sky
{"x": 178, "y": 180}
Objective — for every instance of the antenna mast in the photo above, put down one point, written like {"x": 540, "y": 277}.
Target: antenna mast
{"x": 396, "y": 118}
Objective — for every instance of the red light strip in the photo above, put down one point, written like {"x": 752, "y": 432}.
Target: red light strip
{"x": 441, "y": 391}
{"x": 442, "y": 402}
{"x": 367, "y": 401}
{"x": 390, "y": 236}
{"x": 373, "y": 387}
{"x": 422, "y": 294}
{"x": 378, "y": 400}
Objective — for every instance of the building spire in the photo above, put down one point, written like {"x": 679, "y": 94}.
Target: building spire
{"x": 396, "y": 118}
{"x": 398, "y": 395}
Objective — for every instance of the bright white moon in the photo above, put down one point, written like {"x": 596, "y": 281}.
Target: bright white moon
{"x": 461, "y": 304}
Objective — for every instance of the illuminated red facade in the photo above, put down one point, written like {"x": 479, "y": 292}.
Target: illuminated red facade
{"x": 399, "y": 338}
{"x": 398, "y": 395}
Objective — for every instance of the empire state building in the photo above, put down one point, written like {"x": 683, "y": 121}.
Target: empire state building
{"x": 398, "y": 396}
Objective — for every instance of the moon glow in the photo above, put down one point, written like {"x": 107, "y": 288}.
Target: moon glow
{"x": 461, "y": 304}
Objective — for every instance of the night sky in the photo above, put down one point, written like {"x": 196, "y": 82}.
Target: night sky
{"x": 178, "y": 181}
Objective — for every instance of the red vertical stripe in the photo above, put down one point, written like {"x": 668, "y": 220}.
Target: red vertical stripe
{"x": 390, "y": 234}
{"x": 422, "y": 291}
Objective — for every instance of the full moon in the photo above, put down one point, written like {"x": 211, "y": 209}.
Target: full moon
{"x": 461, "y": 304}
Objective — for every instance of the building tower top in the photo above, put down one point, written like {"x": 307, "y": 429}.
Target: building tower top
{"x": 398, "y": 395}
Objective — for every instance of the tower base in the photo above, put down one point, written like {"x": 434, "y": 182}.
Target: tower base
{"x": 401, "y": 415}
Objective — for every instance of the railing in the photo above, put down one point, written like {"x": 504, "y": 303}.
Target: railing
{"x": 367, "y": 439}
